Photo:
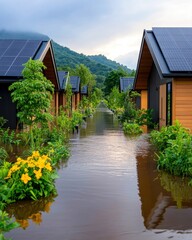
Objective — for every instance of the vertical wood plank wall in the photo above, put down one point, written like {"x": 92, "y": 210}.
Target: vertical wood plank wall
{"x": 144, "y": 99}
{"x": 162, "y": 106}
{"x": 144, "y": 105}
{"x": 182, "y": 102}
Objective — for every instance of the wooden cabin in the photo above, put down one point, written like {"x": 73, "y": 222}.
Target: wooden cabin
{"x": 164, "y": 75}
{"x": 84, "y": 92}
{"x": 75, "y": 84}
{"x": 13, "y": 54}
{"x": 63, "y": 80}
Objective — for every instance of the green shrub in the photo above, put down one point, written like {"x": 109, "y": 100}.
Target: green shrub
{"x": 175, "y": 149}
{"x": 161, "y": 139}
{"x": 3, "y": 155}
{"x": 177, "y": 157}
{"x": 77, "y": 118}
{"x": 132, "y": 129}
{"x": 58, "y": 151}
{"x": 6, "y": 224}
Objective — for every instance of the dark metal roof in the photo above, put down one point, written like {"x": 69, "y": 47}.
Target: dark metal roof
{"x": 63, "y": 76}
{"x": 171, "y": 49}
{"x": 176, "y": 47}
{"x": 15, "y": 52}
{"x": 126, "y": 83}
{"x": 84, "y": 90}
{"x": 75, "y": 83}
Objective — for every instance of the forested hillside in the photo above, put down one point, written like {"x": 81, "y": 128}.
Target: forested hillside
{"x": 98, "y": 64}
{"x": 65, "y": 58}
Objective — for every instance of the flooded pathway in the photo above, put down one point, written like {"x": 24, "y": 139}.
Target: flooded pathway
{"x": 109, "y": 190}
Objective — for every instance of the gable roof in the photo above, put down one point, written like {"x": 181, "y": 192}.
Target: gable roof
{"x": 14, "y": 53}
{"x": 63, "y": 79}
{"x": 170, "y": 49}
{"x": 17, "y": 48}
{"x": 75, "y": 83}
{"x": 84, "y": 90}
{"x": 126, "y": 83}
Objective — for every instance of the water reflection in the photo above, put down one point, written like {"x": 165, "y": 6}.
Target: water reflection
{"x": 166, "y": 201}
{"x": 110, "y": 190}
{"x": 27, "y": 211}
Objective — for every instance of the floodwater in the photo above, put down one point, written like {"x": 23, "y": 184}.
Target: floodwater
{"x": 108, "y": 190}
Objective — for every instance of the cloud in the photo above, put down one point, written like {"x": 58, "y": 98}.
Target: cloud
{"x": 110, "y": 27}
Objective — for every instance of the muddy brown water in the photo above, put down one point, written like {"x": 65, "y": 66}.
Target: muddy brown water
{"x": 108, "y": 190}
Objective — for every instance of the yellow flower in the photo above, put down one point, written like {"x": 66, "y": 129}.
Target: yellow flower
{"x": 48, "y": 167}
{"x": 41, "y": 163}
{"x": 19, "y": 159}
{"x": 45, "y": 157}
{"x": 35, "y": 154}
{"x": 25, "y": 178}
{"x": 31, "y": 164}
{"x": 38, "y": 174}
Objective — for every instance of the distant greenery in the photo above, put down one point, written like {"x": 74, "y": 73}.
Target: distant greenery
{"x": 132, "y": 129}
{"x": 99, "y": 65}
{"x": 113, "y": 79}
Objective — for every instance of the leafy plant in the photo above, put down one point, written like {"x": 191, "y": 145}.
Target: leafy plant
{"x": 77, "y": 118}
{"x": 8, "y": 137}
{"x": 32, "y": 95}
{"x": 175, "y": 146}
{"x": 177, "y": 156}
{"x": 132, "y": 129}
{"x": 6, "y": 224}
{"x": 58, "y": 151}
{"x": 3, "y": 155}
{"x": 161, "y": 139}
{"x": 31, "y": 178}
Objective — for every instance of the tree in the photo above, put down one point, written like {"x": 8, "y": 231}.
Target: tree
{"x": 113, "y": 79}
{"x": 32, "y": 95}
{"x": 84, "y": 73}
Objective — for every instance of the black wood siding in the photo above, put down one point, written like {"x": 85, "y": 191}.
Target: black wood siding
{"x": 7, "y": 107}
{"x": 153, "y": 97}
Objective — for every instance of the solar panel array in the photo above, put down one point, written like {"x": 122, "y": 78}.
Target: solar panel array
{"x": 176, "y": 47}
{"x": 14, "y": 53}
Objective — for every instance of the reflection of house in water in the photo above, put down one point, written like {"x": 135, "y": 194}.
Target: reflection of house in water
{"x": 165, "y": 200}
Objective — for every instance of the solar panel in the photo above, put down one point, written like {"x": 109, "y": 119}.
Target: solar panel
{"x": 30, "y": 48}
{"x": 20, "y": 60}
{"x": 6, "y": 61}
{"x": 176, "y": 46}
{"x": 15, "y": 48}
{"x": 15, "y": 71}
{"x": 14, "y": 53}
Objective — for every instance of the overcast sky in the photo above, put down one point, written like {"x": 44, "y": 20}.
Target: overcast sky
{"x": 113, "y": 28}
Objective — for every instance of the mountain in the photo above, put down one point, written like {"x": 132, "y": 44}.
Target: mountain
{"x": 98, "y": 64}
{"x": 65, "y": 57}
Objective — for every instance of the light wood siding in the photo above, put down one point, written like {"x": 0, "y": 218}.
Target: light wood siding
{"x": 144, "y": 99}
{"x": 77, "y": 100}
{"x": 73, "y": 101}
{"x": 182, "y": 102}
{"x": 162, "y": 106}
{"x": 144, "y": 105}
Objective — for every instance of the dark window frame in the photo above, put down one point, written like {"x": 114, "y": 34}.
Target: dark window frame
{"x": 168, "y": 104}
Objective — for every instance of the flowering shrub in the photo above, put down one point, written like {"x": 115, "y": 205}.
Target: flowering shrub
{"x": 31, "y": 178}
